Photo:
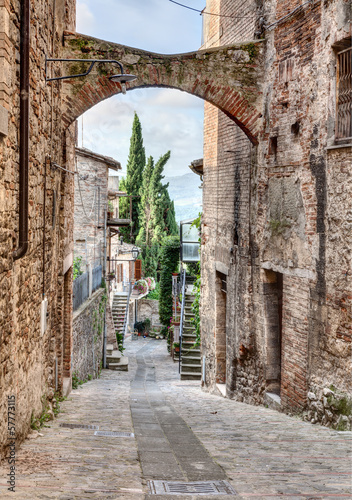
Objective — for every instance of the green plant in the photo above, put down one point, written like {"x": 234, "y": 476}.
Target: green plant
{"x": 169, "y": 260}
{"x": 119, "y": 340}
{"x": 147, "y": 324}
{"x": 77, "y": 381}
{"x": 139, "y": 326}
{"x": 175, "y": 344}
{"x": 278, "y": 226}
{"x": 154, "y": 294}
{"x": 197, "y": 289}
{"x": 77, "y": 271}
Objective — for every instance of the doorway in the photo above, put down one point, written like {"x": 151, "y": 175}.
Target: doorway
{"x": 220, "y": 327}
{"x": 273, "y": 294}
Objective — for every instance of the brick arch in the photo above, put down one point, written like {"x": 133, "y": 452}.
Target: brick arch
{"x": 227, "y": 77}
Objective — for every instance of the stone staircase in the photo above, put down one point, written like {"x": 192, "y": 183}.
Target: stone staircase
{"x": 115, "y": 360}
{"x": 191, "y": 368}
{"x": 119, "y": 305}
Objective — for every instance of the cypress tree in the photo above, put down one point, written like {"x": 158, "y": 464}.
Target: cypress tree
{"x": 145, "y": 205}
{"x": 135, "y": 167}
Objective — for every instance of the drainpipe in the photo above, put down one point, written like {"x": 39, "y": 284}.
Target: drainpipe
{"x": 24, "y": 131}
{"x": 107, "y": 292}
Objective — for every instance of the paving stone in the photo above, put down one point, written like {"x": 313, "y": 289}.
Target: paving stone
{"x": 263, "y": 454}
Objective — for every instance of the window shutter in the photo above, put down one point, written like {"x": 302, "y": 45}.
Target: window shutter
{"x": 138, "y": 269}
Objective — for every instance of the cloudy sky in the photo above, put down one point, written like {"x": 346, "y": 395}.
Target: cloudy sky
{"x": 171, "y": 119}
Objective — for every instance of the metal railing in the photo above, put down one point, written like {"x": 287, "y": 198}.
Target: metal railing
{"x": 81, "y": 286}
{"x": 125, "y": 321}
{"x": 97, "y": 275}
{"x": 80, "y": 290}
{"x": 183, "y": 288}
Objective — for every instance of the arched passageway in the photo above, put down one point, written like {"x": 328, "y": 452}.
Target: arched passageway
{"x": 227, "y": 77}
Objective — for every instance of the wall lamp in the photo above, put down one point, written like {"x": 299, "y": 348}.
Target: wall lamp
{"x": 122, "y": 78}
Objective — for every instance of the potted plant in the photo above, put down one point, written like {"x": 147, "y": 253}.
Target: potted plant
{"x": 176, "y": 346}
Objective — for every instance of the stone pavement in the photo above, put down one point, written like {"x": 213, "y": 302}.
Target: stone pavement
{"x": 182, "y": 434}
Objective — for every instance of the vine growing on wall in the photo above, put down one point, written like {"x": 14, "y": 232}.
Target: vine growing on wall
{"x": 98, "y": 318}
{"x": 169, "y": 259}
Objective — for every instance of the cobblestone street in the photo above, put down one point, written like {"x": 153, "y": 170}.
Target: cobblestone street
{"x": 182, "y": 435}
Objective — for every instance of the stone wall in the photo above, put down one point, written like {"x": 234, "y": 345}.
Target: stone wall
{"x": 91, "y": 197}
{"x": 276, "y": 225}
{"x": 30, "y": 363}
{"x": 88, "y": 334}
{"x": 148, "y": 308}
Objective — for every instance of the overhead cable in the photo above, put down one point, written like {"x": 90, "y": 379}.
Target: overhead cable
{"x": 209, "y": 13}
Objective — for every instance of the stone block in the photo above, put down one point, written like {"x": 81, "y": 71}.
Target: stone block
{"x": 4, "y": 121}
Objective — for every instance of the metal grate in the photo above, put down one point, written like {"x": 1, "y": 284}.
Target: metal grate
{"x": 344, "y": 98}
{"x": 194, "y": 488}
{"x": 113, "y": 434}
{"x": 79, "y": 426}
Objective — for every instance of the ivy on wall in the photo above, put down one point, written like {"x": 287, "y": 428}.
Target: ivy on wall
{"x": 169, "y": 259}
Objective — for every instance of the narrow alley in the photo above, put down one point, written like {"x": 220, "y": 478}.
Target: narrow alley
{"x": 175, "y": 440}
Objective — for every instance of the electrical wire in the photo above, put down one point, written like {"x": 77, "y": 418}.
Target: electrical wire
{"x": 311, "y": 2}
{"x": 80, "y": 194}
{"x": 208, "y": 13}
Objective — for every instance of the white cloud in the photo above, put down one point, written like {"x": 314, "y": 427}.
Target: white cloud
{"x": 108, "y": 126}
{"x": 170, "y": 119}
{"x": 85, "y": 18}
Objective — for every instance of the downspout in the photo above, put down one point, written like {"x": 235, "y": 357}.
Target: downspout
{"x": 24, "y": 131}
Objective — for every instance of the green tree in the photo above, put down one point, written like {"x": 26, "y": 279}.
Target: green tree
{"x": 169, "y": 259}
{"x": 143, "y": 237}
{"x": 135, "y": 167}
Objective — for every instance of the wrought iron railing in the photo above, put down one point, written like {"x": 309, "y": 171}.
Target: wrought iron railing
{"x": 125, "y": 321}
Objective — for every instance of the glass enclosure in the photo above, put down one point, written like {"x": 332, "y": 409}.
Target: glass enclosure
{"x": 189, "y": 237}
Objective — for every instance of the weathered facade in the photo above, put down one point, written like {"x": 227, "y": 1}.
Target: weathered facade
{"x": 276, "y": 183}
{"x": 33, "y": 362}
{"x": 276, "y": 231}
{"x": 91, "y": 202}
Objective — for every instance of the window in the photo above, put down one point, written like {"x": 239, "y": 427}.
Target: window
{"x": 344, "y": 95}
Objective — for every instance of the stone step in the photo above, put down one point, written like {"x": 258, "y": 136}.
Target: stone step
{"x": 190, "y": 376}
{"x": 109, "y": 349}
{"x": 122, "y": 366}
{"x": 114, "y": 357}
{"x": 189, "y": 337}
{"x": 191, "y": 360}
{"x": 189, "y": 368}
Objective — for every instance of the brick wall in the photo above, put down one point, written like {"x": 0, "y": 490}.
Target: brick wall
{"x": 280, "y": 207}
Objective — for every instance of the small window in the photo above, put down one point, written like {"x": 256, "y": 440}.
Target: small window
{"x": 344, "y": 95}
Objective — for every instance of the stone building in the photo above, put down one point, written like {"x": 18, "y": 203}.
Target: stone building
{"x": 91, "y": 201}
{"x": 276, "y": 229}
{"x": 276, "y": 226}
{"x": 36, "y": 204}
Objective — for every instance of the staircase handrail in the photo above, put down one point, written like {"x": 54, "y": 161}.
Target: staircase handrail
{"x": 183, "y": 281}
{"x": 125, "y": 321}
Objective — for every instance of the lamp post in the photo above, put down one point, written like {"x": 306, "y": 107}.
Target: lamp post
{"x": 135, "y": 253}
